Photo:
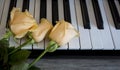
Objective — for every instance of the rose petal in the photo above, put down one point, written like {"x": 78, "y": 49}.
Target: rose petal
{"x": 63, "y": 32}
{"x": 44, "y": 27}
{"x": 21, "y": 22}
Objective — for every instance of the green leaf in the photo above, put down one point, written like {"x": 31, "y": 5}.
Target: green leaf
{"x": 21, "y": 66}
{"x": 11, "y": 49}
{"x": 3, "y": 54}
{"x": 4, "y": 44}
{"x": 8, "y": 34}
{"x": 34, "y": 68}
{"x": 19, "y": 57}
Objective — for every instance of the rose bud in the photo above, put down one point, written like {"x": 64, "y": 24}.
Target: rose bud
{"x": 21, "y": 22}
{"x": 43, "y": 29}
{"x": 63, "y": 32}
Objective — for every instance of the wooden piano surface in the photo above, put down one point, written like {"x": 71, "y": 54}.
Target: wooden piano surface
{"x": 95, "y": 38}
{"x": 79, "y": 64}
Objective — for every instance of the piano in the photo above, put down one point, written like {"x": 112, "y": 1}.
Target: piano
{"x": 98, "y": 22}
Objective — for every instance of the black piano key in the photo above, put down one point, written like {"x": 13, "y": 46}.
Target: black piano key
{"x": 86, "y": 21}
{"x": 115, "y": 14}
{"x": 54, "y": 11}
{"x": 43, "y": 9}
{"x": 119, "y": 1}
{"x": 66, "y": 7}
{"x": 99, "y": 54}
{"x": 12, "y": 4}
{"x": 25, "y": 5}
{"x": 98, "y": 16}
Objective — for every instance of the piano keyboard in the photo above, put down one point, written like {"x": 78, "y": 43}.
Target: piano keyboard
{"x": 98, "y": 22}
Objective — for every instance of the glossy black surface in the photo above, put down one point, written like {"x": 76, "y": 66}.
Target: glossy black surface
{"x": 25, "y": 5}
{"x": 54, "y": 11}
{"x": 43, "y": 9}
{"x": 98, "y": 17}
{"x": 76, "y": 53}
{"x": 67, "y": 16}
{"x": 86, "y": 21}
{"x": 115, "y": 14}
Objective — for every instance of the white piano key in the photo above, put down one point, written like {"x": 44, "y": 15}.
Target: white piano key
{"x": 19, "y": 4}
{"x": 115, "y": 33}
{"x": 49, "y": 10}
{"x": 85, "y": 41}
{"x": 31, "y": 11}
{"x": 37, "y": 10}
{"x": 31, "y": 7}
{"x": 61, "y": 17}
{"x": 49, "y": 17}
{"x": 1, "y": 7}
{"x": 60, "y": 10}
{"x": 39, "y": 45}
{"x": 74, "y": 43}
{"x": 11, "y": 40}
{"x": 94, "y": 32}
{"x": 105, "y": 33}
{"x": 4, "y": 18}
{"x": 13, "y": 43}
{"x": 3, "y": 23}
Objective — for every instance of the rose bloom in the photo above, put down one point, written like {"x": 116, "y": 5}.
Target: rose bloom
{"x": 63, "y": 32}
{"x": 21, "y": 22}
{"x": 43, "y": 29}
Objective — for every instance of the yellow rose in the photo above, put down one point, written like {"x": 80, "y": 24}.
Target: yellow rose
{"x": 44, "y": 27}
{"x": 63, "y": 32}
{"x": 21, "y": 22}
